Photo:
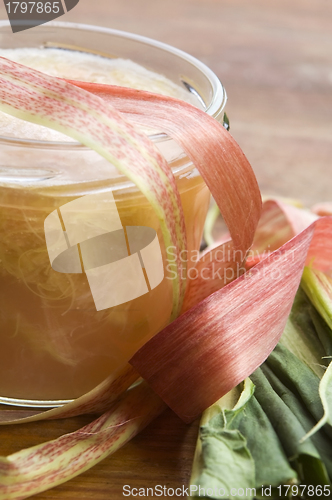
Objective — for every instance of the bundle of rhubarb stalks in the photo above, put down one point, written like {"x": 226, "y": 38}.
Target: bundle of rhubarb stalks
{"x": 249, "y": 347}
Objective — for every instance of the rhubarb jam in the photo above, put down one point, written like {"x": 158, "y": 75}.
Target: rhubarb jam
{"x": 56, "y": 344}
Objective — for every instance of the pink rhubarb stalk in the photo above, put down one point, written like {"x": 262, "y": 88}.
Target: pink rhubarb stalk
{"x": 42, "y": 467}
{"x": 214, "y": 152}
{"x": 223, "y": 337}
{"x": 217, "y": 344}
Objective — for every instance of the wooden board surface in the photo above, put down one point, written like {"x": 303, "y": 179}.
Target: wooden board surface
{"x": 275, "y": 60}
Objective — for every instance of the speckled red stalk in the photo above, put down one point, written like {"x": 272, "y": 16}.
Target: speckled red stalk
{"x": 37, "y": 469}
{"x": 217, "y": 344}
{"x": 213, "y": 151}
{"x": 42, "y": 99}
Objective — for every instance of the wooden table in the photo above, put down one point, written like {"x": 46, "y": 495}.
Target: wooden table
{"x": 275, "y": 60}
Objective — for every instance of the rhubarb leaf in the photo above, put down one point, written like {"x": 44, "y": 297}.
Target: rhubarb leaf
{"x": 303, "y": 415}
{"x": 324, "y": 332}
{"x": 325, "y": 392}
{"x": 291, "y": 424}
{"x": 270, "y": 425}
{"x": 220, "y": 447}
{"x": 300, "y": 335}
{"x": 236, "y": 449}
{"x": 296, "y": 377}
{"x": 271, "y": 464}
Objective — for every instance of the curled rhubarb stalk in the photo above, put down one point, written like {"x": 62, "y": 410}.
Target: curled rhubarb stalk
{"x": 41, "y": 467}
{"x": 35, "y": 97}
{"x": 232, "y": 321}
{"x": 227, "y": 332}
{"x": 55, "y": 103}
{"x": 212, "y": 149}
{"x": 216, "y": 344}
{"x": 219, "y": 160}
{"x": 223, "y": 337}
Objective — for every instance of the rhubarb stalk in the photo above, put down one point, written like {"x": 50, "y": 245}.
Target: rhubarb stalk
{"x": 41, "y": 467}
{"x": 232, "y": 321}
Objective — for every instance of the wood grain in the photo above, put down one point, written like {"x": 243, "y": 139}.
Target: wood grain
{"x": 275, "y": 60}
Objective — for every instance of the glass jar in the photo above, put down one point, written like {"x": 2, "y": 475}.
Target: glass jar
{"x": 56, "y": 342}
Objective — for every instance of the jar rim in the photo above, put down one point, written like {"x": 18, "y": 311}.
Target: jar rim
{"x": 214, "y": 109}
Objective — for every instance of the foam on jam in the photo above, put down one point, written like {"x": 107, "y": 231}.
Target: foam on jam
{"x": 84, "y": 67}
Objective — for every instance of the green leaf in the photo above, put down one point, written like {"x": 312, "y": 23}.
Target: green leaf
{"x": 224, "y": 461}
{"x": 240, "y": 449}
{"x": 291, "y": 421}
{"x": 297, "y": 378}
{"x": 323, "y": 331}
{"x": 325, "y": 392}
{"x": 270, "y": 425}
{"x": 221, "y": 449}
{"x": 300, "y": 336}
{"x": 271, "y": 464}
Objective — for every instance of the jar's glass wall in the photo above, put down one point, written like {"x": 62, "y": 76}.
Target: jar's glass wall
{"x": 55, "y": 345}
